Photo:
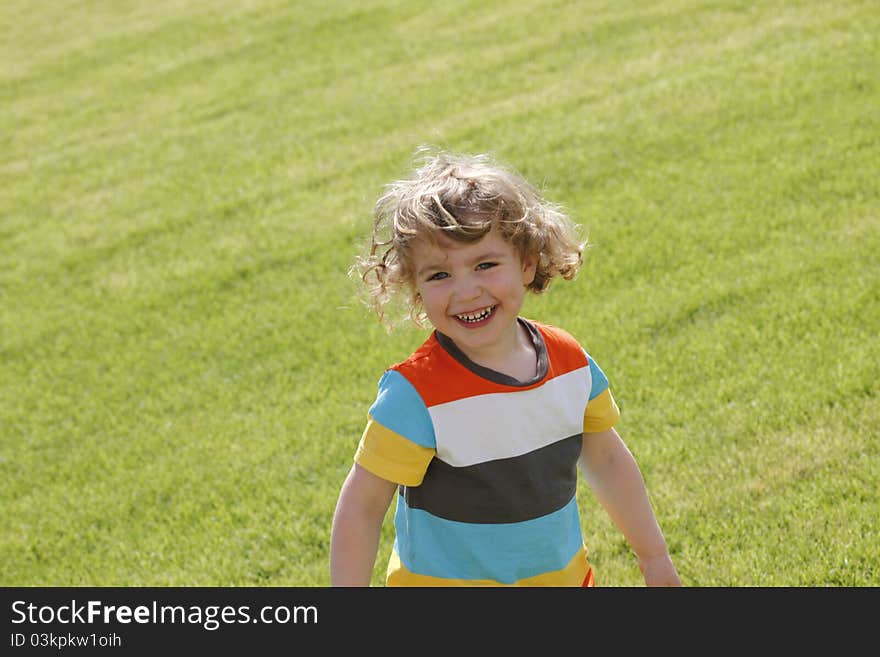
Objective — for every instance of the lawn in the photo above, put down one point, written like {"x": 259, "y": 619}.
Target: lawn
{"x": 186, "y": 367}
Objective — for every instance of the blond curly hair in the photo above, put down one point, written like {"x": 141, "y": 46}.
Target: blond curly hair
{"x": 462, "y": 197}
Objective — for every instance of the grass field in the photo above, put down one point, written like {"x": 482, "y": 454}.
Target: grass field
{"x": 185, "y": 367}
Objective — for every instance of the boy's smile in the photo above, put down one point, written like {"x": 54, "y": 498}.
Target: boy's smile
{"x": 475, "y": 319}
{"x": 472, "y": 292}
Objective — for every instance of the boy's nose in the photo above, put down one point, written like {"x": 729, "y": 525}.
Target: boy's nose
{"x": 467, "y": 288}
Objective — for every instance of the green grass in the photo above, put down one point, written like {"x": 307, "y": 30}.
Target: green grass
{"x": 185, "y": 367}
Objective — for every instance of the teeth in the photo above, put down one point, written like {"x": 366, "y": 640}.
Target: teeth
{"x": 475, "y": 316}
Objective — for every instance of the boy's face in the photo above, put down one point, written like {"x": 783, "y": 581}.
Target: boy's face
{"x": 473, "y": 292}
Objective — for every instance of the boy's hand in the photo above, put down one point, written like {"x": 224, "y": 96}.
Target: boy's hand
{"x": 659, "y": 571}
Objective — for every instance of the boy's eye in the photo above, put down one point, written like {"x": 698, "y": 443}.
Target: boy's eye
{"x": 438, "y": 276}
{"x": 486, "y": 265}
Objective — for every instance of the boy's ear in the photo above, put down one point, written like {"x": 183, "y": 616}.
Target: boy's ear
{"x": 529, "y": 268}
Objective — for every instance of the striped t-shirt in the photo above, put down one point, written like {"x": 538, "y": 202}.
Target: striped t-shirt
{"x": 487, "y": 465}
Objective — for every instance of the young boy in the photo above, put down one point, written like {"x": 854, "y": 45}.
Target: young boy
{"x": 481, "y": 430}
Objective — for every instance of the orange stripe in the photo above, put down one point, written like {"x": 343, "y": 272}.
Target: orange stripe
{"x": 429, "y": 372}
{"x": 566, "y": 354}
{"x": 588, "y": 580}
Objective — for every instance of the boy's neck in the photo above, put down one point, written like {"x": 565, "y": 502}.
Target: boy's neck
{"x": 517, "y": 359}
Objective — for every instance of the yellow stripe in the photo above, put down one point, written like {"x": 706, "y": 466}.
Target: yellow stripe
{"x": 572, "y": 575}
{"x": 601, "y": 413}
{"x": 391, "y": 456}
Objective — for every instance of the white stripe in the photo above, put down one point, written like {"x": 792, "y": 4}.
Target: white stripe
{"x": 502, "y": 425}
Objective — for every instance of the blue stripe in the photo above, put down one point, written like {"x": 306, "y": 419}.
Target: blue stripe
{"x": 505, "y": 553}
{"x": 399, "y": 407}
{"x": 600, "y": 381}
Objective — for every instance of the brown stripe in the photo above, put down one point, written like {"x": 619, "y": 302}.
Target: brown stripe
{"x": 500, "y": 491}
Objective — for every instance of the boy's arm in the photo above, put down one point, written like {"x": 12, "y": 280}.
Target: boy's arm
{"x": 357, "y": 523}
{"x": 615, "y": 478}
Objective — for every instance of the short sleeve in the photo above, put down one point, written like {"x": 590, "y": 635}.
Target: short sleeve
{"x": 398, "y": 442}
{"x": 602, "y": 412}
